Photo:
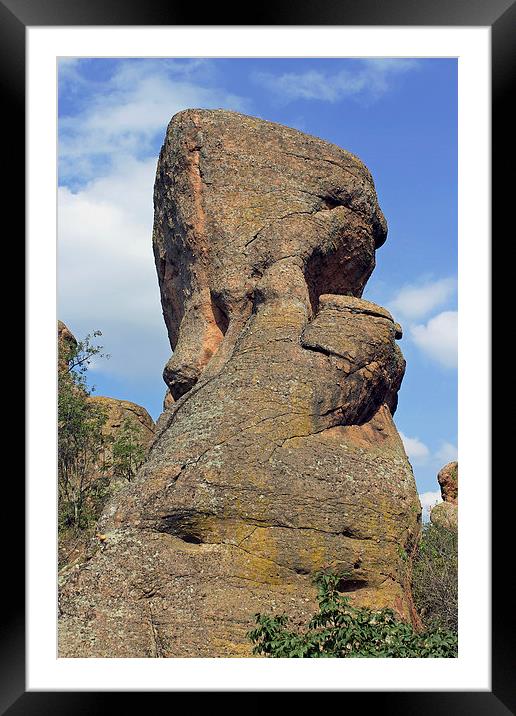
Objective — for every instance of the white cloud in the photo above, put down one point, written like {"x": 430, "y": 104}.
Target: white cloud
{"x": 416, "y": 301}
{"x": 108, "y": 155}
{"x": 429, "y": 500}
{"x": 107, "y": 279}
{"x": 446, "y": 453}
{"x": 127, "y": 113}
{"x": 369, "y": 79}
{"x": 438, "y": 338}
{"x": 416, "y": 450}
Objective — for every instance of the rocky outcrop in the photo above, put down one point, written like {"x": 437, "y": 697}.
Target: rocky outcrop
{"x": 235, "y": 196}
{"x": 117, "y": 411}
{"x": 445, "y": 514}
{"x": 118, "y": 415}
{"x": 278, "y": 456}
{"x": 66, "y": 344}
{"x": 448, "y": 479}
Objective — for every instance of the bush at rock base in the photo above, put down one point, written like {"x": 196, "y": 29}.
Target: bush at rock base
{"x": 341, "y": 630}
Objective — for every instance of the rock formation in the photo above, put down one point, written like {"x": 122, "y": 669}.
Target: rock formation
{"x": 66, "y": 344}
{"x": 278, "y": 455}
{"x": 448, "y": 479}
{"x": 117, "y": 412}
{"x": 445, "y": 514}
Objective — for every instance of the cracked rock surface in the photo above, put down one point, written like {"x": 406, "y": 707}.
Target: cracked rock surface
{"x": 276, "y": 455}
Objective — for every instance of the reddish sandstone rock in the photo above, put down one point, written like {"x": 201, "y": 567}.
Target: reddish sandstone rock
{"x": 279, "y": 456}
{"x": 445, "y": 513}
{"x": 448, "y": 479}
{"x": 235, "y": 195}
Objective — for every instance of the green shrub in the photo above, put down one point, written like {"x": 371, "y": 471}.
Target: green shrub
{"x": 434, "y": 577}
{"x": 341, "y": 630}
{"x": 82, "y": 462}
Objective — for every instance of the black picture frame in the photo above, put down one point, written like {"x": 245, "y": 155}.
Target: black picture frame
{"x": 500, "y": 16}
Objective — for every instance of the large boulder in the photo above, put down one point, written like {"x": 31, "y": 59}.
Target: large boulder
{"x": 236, "y": 196}
{"x": 448, "y": 479}
{"x": 118, "y": 412}
{"x": 278, "y": 456}
{"x": 445, "y": 514}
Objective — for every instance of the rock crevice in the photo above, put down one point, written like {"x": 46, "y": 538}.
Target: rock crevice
{"x": 280, "y": 456}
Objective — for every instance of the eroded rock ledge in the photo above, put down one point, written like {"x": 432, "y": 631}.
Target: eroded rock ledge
{"x": 278, "y": 455}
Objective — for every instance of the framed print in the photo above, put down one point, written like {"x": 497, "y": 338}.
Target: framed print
{"x": 293, "y": 141}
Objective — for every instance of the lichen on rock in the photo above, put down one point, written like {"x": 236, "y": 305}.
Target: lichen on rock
{"x": 277, "y": 455}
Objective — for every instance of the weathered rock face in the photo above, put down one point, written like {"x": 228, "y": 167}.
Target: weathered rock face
{"x": 448, "y": 479}
{"x": 445, "y": 513}
{"x": 117, "y": 411}
{"x": 234, "y": 196}
{"x": 279, "y": 456}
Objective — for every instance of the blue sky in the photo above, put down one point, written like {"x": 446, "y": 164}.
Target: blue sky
{"x": 398, "y": 115}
